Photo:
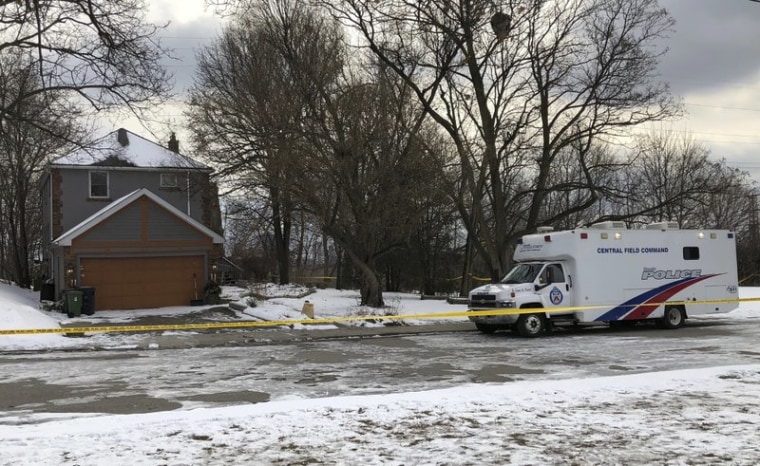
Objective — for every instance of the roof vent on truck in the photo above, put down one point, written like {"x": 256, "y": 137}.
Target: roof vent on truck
{"x": 663, "y": 226}
{"x": 609, "y": 225}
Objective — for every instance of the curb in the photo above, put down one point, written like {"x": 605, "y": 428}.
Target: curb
{"x": 256, "y": 337}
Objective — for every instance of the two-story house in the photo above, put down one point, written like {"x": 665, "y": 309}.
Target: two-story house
{"x": 134, "y": 220}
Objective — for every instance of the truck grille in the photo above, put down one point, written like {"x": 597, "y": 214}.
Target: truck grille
{"x": 483, "y": 300}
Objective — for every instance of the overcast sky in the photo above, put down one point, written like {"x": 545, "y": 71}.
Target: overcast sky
{"x": 713, "y": 64}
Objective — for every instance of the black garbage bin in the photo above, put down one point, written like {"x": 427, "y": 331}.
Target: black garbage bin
{"x": 47, "y": 292}
{"x": 88, "y": 300}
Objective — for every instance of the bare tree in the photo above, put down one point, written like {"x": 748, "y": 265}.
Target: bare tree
{"x": 59, "y": 59}
{"x": 280, "y": 103}
{"x": 671, "y": 177}
{"x": 747, "y": 230}
{"x": 516, "y": 85}
{"x": 248, "y": 236}
{"x": 247, "y": 103}
{"x": 24, "y": 151}
{"x": 570, "y": 181}
{"x": 367, "y": 172}
{"x": 732, "y": 205}
{"x": 98, "y": 52}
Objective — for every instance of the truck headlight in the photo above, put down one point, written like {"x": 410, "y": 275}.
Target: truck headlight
{"x": 506, "y": 303}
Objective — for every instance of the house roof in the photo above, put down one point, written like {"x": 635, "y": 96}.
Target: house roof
{"x": 117, "y": 205}
{"x": 127, "y": 149}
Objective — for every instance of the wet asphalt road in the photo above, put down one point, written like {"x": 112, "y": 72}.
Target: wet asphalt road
{"x": 250, "y": 367}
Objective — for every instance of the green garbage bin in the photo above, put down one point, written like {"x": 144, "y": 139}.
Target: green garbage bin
{"x": 72, "y": 303}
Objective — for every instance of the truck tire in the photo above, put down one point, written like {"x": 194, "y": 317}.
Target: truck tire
{"x": 531, "y": 325}
{"x": 672, "y": 318}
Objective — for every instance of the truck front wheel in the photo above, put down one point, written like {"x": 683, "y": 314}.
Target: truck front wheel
{"x": 531, "y": 325}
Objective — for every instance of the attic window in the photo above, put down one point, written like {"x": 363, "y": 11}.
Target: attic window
{"x": 169, "y": 180}
{"x": 98, "y": 184}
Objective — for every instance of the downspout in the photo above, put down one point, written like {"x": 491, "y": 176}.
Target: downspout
{"x": 50, "y": 208}
{"x": 187, "y": 174}
{"x": 52, "y": 261}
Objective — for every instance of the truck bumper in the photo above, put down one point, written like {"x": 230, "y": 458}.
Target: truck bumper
{"x": 493, "y": 320}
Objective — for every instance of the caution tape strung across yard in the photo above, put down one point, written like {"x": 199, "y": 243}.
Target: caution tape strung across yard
{"x": 337, "y": 320}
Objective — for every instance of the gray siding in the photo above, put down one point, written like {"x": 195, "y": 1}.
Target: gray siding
{"x": 78, "y": 205}
{"x": 164, "y": 226}
{"x": 124, "y": 226}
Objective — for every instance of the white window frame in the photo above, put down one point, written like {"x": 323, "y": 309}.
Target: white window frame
{"x": 108, "y": 184}
{"x": 164, "y": 182}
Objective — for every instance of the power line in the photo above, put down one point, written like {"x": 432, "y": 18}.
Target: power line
{"x": 702, "y": 133}
{"x": 723, "y": 107}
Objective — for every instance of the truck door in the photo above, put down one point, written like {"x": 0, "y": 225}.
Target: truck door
{"x": 554, "y": 287}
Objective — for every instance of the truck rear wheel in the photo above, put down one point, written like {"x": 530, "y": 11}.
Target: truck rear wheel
{"x": 531, "y": 325}
{"x": 672, "y": 318}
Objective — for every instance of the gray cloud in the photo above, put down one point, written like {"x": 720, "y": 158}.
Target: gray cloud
{"x": 715, "y": 44}
{"x": 714, "y": 47}
{"x": 185, "y": 40}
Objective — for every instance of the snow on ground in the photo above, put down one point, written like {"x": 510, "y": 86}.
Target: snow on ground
{"x": 287, "y": 304}
{"x": 265, "y": 302}
{"x": 695, "y": 417}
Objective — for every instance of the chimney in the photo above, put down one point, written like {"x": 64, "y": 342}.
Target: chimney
{"x": 173, "y": 143}
{"x": 122, "y": 137}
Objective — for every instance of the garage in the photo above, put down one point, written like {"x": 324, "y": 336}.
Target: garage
{"x": 138, "y": 252}
{"x": 143, "y": 282}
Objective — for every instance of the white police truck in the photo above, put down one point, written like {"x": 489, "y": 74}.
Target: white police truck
{"x": 607, "y": 274}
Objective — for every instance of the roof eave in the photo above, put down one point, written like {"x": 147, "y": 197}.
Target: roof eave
{"x": 106, "y": 167}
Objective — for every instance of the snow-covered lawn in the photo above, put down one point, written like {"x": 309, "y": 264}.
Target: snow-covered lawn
{"x": 696, "y": 417}
{"x": 283, "y": 303}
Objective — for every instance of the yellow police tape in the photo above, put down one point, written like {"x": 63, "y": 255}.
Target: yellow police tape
{"x": 336, "y": 320}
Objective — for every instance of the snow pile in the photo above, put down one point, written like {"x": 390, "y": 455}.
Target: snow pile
{"x": 277, "y": 302}
{"x": 20, "y": 309}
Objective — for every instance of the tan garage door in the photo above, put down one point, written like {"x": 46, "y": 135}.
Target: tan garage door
{"x": 143, "y": 282}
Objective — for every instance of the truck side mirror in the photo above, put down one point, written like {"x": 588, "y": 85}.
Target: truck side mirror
{"x": 540, "y": 286}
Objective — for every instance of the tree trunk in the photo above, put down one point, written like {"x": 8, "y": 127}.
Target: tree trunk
{"x": 301, "y": 258}
{"x": 371, "y": 292}
{"x": 339, "y": 264}
{"x": 282, "y": 228}
{"x": 370, "y": 289}
{"x": 326, "y": 259}
{"x": 465, "y": 284}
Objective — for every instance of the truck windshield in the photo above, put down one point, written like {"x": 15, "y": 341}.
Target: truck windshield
{"x": 522, "y": 273}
